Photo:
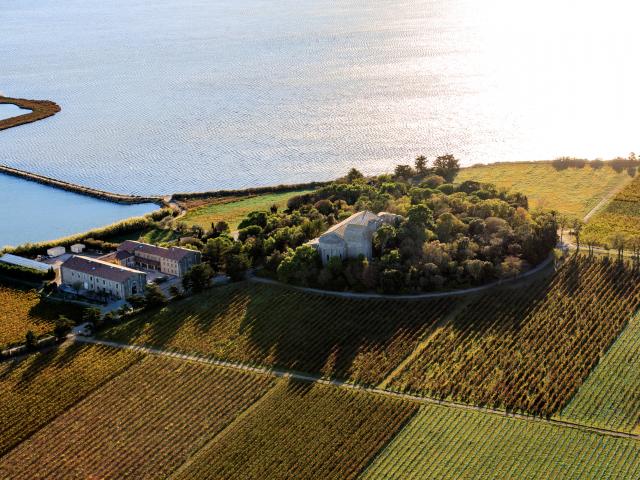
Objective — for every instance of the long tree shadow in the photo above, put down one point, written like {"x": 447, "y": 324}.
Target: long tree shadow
{"x": 276, "y": 326}
{"x": 346, "y": 338}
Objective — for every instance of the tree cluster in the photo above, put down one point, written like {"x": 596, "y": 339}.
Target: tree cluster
{"x": 450, "y": 236}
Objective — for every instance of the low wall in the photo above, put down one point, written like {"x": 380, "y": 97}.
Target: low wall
{"x": 72, "y": 187}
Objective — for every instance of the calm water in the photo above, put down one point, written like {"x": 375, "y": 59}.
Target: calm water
{"x": 173, "y": 95}
{"x": 7, "y": 111}
{"x": 37, "y": 212}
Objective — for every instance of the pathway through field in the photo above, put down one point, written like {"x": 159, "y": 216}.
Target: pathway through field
{"x": 310, "y": 378}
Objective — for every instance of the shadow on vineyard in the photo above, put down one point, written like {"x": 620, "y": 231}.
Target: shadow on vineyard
{"x": 56, "y": 359}
{"x": 362, "y": 340}
{"x": 525, "y": 348}
{"x": 528, "y": 349}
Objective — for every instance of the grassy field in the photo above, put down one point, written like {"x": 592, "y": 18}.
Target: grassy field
{"x": 302, "y": 431}
{"x": 446, "y": 443}
{"x": 621, "y": 215}
{"x": 39, "y": 388}
{"x": 610, "y": 398}
{"x": 573, "y": 191}
{"x": 143, "y": 424}
{"x": 234, "y": 211}
{"x": 362, "y": 340}
{"x": 529, "y": 349}
{"x": 21, "y": 310}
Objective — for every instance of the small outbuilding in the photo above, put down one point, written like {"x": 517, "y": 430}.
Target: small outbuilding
{"x": 56, "y": 251}
{"x": 77, "y": 248}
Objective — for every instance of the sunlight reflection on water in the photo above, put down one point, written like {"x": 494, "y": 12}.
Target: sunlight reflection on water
{"x": 171, "y": 96}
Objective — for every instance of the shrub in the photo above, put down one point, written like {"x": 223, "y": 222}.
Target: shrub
{"x": 432, "y": 181}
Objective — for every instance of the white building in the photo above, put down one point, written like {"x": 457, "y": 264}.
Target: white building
{"x": 56, "y": 251}
{"x": 98, "y": 276}
{"x": 77, "y": 248}
{"x": 352, "y": 237}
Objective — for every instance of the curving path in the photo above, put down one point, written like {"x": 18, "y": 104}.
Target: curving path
{"x": 418, "y": 296}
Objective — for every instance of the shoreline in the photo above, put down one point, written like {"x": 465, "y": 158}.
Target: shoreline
{"x": 40, "y": 109}
{"x": 75, "y": 188}
{"x": 178, "y": 201}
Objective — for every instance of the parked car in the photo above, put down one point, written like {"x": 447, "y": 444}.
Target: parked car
{"x": 84, "y": 330}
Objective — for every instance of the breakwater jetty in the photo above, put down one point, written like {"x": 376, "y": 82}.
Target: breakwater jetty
{"x": 88, "y": 191}
{"x": 40, "y": 109}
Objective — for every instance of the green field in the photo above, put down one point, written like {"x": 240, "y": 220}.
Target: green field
{"x": 302, "y": 431}
{"x": 362, "y": 340}
{"x": 573, "y": 191}
{"x": 447, "y": 443}
{"x": 610, "y": 398}
{"x": 234, "y": 212}
{"x": 563, "y": 345}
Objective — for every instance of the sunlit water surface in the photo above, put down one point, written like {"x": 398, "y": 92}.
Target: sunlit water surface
{"x": 166, "y": 95}
{"x": 34, "y": 212}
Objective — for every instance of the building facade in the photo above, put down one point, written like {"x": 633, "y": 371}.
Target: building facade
{"x": 103, "y": 277}
{"x": 172, "y": 261}
{"x": 353, "y": 236}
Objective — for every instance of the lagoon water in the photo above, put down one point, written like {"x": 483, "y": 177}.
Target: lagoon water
{"x": 8, "y": 110}
{"x": 34, "y": 212}
{"x": 170, "y": 95}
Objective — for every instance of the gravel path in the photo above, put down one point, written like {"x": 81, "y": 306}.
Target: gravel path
{"x": 417, "y": 296}
{"x": 310, "y": 378}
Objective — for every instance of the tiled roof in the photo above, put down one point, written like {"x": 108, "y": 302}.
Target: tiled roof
{"x": 360, "y": 218}
{"x": 172, "y": 253}
{"x": 122, "y": 254}
{"x": 99, "y": 268}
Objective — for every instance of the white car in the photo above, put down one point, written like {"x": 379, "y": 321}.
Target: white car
{"x": 84, "y": 330}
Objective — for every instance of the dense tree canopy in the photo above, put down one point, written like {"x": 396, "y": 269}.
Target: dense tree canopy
{"x": 450, "y": 236}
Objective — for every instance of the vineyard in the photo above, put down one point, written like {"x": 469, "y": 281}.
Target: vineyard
{"x": 21, "y": 311}
{"x": 610, "y": 398}
{"x": 441, "y": 442}
{"x": 302, "y": 431}
{"x": 36, "y": 390}
{"x": 362, "y": 340}
{"x": 143, "y": 424}
{"x": 621, "y": 215}
{"x": 531, "y": 348}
